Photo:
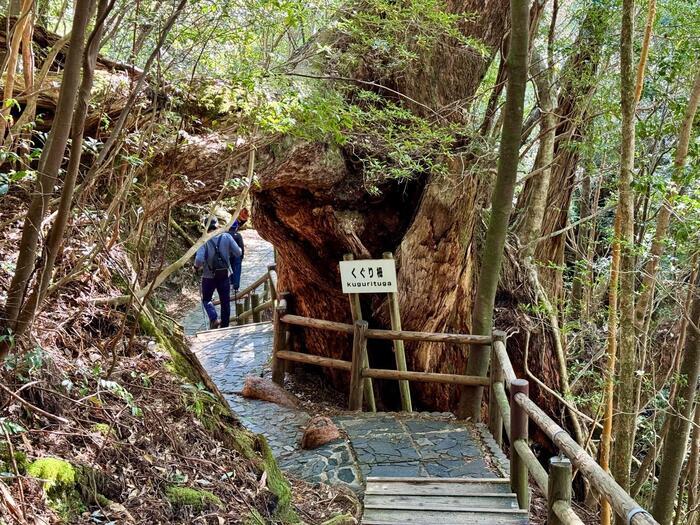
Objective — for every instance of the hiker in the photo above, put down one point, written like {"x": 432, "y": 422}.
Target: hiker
{"x": 237, "y": 263}
{"x": 215, "y": 258}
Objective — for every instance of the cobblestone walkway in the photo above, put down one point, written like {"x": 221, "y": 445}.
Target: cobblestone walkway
{"x": 384, "y": 444}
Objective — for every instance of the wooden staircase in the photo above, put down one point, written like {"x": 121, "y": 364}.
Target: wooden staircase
{"x": 441, "y": 501}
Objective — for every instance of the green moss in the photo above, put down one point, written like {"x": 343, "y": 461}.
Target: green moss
{"x": 102, "y": 428}
{"x": 6, "y": 464}
{"x": 255, "y": 448}
{"x": 254, "y": 518}
{"x": 178, "y": 363}
{"x": 58, "y": 475}
{"x": 60, "y": 484}
{"x": 186, "y": 497}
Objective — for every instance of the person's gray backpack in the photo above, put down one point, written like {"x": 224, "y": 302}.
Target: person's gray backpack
{"x": 219, "y": 265}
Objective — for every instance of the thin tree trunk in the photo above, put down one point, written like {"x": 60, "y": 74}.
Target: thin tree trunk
{"x": 49, "y": 164}
{"x": 578, "y": 83}
{"x": 687, "y": 473}
{"x": 502, "y": 203}
{"x": 531, "y": 226}
{"x": 12, "y": 59}
{"x": 606, "y": 437}
{"x": 663, "y": 219}
{"x": 644, "y": 54}
{"x": 28, "y": 58}
{"x": 31, "y": 102}
{"x": 625, "y": 418}
{"x": 55, "y": 237}
{"x": 674, "y": 450}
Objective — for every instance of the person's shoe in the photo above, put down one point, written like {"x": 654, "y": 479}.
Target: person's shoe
{"x": 213, "y": 325}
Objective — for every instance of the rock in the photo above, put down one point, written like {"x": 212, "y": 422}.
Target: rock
{"x": 265, "y": 389}
{"x": 319, "y": 431}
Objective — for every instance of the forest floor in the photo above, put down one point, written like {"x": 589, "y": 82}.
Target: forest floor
{"x": 97, "y": 426}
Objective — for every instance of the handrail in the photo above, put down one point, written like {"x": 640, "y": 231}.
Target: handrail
{"x": 620, "y": 500}
{"x": 514, "y": 416}
{"x": 256, "y": 284}
{"x": 499, "y": 349}
{"x": 522, "y": 456}
{"x": 389, "y": 335}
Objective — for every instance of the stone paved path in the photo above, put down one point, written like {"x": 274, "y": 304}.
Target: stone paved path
{"x": 384, "y": 444}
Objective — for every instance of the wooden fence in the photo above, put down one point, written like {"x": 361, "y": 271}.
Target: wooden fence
{"x": 514, "y": 414}
{"x": 251, "y": 302}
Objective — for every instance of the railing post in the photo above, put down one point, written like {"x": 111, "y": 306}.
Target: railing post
{"x": 246, "y": 303}
{"x": 518, "y": 431}
{"x": 239, "y": 311}
{"x": 356, "y": 311}
{"x": 254, "y": 303}
{"x": 271, "y": 283}
{"x": 279, "y": 342}
{"x": 496, "y": 376}
{"x": 399, "y": 351}
{"x": 359, "y": 344}
{"x": 559, "y": 487}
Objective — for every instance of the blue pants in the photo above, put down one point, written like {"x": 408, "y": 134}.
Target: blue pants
{"x": 236, "y": 267}
{"x": 223, "y": 288}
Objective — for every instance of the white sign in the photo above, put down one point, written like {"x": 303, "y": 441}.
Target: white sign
{"x": 368, "y": 276}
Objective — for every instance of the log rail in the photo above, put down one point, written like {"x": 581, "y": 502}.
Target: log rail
{"x": 512, "y": 414}
{"x": 253, "y": 301}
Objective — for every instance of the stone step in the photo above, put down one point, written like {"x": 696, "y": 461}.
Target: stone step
{"x": 462, "y": 516}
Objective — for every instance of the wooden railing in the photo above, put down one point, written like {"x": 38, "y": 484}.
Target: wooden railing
{"x": 251, "y": 301}
{"x": 513, "y": 415}
{"x": 360, "y": 373}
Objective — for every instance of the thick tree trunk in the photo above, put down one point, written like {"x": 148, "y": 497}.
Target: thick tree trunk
{"x": 311, "y": 204}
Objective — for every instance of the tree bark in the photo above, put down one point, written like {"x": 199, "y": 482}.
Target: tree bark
{"x": 625, "y": 419}
{"x": 49, "y": 164}
{"x": 501, "y": 205}
{"x": 675, "y": 446}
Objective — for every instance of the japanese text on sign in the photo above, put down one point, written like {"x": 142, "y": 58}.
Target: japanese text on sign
{"x": 368, "y": 276}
